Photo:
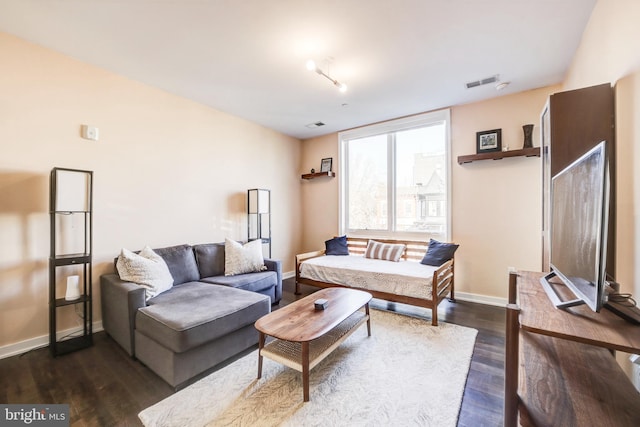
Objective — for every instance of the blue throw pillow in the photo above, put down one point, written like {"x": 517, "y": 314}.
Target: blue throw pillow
{"x": 336, "y": 246}
{"x": 438, "y": 253}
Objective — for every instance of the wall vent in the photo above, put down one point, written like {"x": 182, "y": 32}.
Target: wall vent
{"x": 483, "y": 82}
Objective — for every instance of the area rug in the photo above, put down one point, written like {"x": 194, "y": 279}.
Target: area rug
{"x": 407, "y": 373}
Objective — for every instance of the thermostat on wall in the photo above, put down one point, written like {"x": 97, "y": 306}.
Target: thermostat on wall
{"x": 90, "y": 132}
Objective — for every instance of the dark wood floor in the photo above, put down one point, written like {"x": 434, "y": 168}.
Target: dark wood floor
{"x": 106, "y": 387}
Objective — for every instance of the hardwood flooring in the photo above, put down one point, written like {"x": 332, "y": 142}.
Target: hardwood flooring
{"x": 106, "y": 387}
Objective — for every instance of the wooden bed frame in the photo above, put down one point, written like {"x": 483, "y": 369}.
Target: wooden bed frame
{"x": 443, "y": 282}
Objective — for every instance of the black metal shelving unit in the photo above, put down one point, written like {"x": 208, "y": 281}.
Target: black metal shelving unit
{"x": 71, "y": 196}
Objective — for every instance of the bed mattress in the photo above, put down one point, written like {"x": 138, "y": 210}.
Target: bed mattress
{"x": 408, "y": 278}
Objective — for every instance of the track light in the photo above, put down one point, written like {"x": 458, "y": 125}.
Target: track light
{"x": 311, "y": 66}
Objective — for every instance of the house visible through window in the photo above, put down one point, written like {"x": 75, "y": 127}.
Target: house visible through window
{"x": 395, "y": 178}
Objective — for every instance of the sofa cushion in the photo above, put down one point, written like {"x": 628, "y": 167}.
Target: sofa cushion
{"x": 181, "y": 262}
{"x": 254, "y": 282}
{"x": 210, "y": 258}
{"x": 194, "y": 313}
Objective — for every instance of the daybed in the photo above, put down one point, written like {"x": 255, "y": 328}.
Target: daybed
{"x": 203, "y": 319}
{"x": 407, "y": 281}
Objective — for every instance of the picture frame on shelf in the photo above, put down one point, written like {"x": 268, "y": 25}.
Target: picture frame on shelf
{"x": 489, "y": 141}
{"x": 326, "y": 164}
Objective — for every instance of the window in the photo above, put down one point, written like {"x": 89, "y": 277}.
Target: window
{"x": 395, "y": 178}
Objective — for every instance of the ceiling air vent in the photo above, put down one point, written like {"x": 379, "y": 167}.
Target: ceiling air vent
{"x": 315, "y": 125}
{"x": 482, "y": 82}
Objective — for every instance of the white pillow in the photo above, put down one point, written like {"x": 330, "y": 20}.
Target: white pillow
{"x": 147, "y": 269}
{"x": 239, "y": 258}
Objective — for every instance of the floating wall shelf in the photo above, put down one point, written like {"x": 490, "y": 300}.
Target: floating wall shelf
{"x": 497, "y": 155}
{"x": 329, "y": 174}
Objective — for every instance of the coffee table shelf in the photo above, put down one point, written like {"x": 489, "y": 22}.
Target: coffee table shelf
{"x": 289, "y": 353}
{"x": 303, "y": 336}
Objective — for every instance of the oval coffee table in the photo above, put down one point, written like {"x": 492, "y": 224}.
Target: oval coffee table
{"x": 304, "y": 336}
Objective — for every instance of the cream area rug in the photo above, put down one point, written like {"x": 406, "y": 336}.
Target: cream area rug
{"x": 407, "y": 373}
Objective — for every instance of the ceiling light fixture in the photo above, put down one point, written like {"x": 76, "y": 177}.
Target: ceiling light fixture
{"x": 311, "y": 66}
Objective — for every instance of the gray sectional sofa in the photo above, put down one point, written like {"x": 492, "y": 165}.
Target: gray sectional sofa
{"x": 205, "y": 318}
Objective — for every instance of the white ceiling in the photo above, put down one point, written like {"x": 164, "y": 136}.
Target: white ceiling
{"x": 247, "y": 57}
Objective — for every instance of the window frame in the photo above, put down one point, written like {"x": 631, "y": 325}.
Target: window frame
{"x": 405, "y": 123}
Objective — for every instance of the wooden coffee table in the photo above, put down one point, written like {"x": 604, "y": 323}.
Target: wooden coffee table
{"x": 305, "y": 336}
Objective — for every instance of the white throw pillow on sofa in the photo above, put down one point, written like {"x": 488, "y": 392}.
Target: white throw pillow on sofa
{"x": 240, "y": 259}
{"x": 146, "y": 269}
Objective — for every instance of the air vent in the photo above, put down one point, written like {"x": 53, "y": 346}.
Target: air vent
{"x": 315, "y": 125}
{"x": 482, "y": 82}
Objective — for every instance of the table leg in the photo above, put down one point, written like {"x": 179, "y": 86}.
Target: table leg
{"x": 366, "y": 309}
{"x": 305, "y": 370}
{"x": 260, "y": 347}
{"x": 511, "y": 361}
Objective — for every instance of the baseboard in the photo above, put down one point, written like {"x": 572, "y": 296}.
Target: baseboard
{"x": 481, "y": 299}
{"x": 288, "y": 275}
{"x": 39, "y": 342}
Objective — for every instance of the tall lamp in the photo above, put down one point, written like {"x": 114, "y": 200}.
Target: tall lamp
{"x": 259, "y": 216}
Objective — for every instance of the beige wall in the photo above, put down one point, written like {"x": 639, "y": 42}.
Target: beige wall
{"x": 496, "y": 204}
{"x": 166, "y": 171}
{"x": 320, "y": 195}
{"x": 608, "y": 50}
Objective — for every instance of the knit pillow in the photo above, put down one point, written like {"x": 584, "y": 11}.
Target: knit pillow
{"x": 385, "y": 251}
{"x": 146, "y": 269}
{"x": 239, "y": 258}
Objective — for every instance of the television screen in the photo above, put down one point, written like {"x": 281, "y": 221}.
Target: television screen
{"x": 579, "y": 222}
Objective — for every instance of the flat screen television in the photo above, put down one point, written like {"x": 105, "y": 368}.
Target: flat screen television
{"x": 578, "y": 229}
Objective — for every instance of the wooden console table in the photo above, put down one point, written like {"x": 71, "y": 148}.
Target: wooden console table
{"x": 559, "y": 367}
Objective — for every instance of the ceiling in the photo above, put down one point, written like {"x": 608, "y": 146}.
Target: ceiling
{"x": 247, "y": 57}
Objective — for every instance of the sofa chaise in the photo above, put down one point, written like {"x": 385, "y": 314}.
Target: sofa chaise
{"x": 202, "y": 320}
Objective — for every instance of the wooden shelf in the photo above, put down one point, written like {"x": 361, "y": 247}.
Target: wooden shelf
{"x": 71, "y": 259}
{"x": 559, "y": 368}
{"x": 497, "y": 155}
{"x": 62, "y": 301}
{"x": 73, "y": 344}
{"x": 329, "y": 174}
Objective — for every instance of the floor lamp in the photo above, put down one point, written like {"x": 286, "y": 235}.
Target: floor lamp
{"x": 259, "y": 216}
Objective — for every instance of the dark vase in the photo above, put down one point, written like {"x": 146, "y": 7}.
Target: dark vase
{"x": 528, "y": 134}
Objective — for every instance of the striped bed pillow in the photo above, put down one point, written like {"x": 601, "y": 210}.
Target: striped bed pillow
{"x": 385, "y": 251}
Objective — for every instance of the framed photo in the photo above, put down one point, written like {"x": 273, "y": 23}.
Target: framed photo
{"x": 488, "y": 141}
{"x": 326, "y": 164}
